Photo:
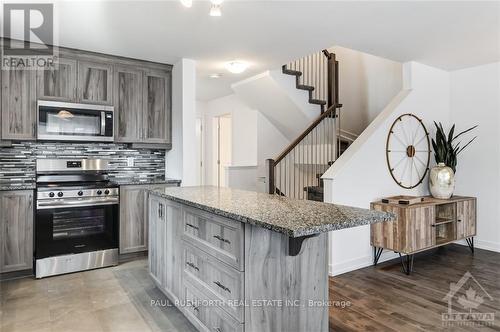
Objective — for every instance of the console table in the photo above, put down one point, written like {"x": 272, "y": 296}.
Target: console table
{"x": 422, "y": 226}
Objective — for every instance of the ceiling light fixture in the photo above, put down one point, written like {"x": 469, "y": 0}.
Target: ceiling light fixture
{"x": 236, "y": 67}
{"x": 215, "y": 10}
{"x": 215, "y": 75}
{"x": 187, "y": 3}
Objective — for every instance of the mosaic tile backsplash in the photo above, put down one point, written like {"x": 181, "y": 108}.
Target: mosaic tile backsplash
{"x": 17, "y": 163}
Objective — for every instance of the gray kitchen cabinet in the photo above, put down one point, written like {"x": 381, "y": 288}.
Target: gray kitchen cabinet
{"x": 95, "y": 82}
{"x": 157, "y": 109}
{"x": 165, "y": 261}
{"x": 133, "y": 217}
{"x": 133, "y": 225}
{"x": 128, "y": 104}
{"x": 18, "y": 104}
{"x": 16, "y": 234}
{"x": 58, "y": 84}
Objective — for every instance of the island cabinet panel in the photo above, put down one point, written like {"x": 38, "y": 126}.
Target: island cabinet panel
{"x": 18, "y": 104}
{"x": 58, "y": 84}
{"x": 134, "y": 216}
{"x": 95, "y": 81}
{"x": 271, "y": 274}
{"x": 157, "y": 106}
{"x": 165, "y": 255}
{"x": 216, "y": 235}
{"x": 16, "y": 230}
{"x": 466, "y": 219}
{"x": 128, "y": 104}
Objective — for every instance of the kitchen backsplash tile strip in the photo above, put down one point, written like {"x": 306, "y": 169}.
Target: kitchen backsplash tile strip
{"x": 17, "y": 163}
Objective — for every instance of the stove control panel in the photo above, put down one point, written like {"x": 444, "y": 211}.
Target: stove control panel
{"x": 76, "y": 193}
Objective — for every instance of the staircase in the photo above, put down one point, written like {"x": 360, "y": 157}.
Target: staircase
{"x": 297, "y": 171}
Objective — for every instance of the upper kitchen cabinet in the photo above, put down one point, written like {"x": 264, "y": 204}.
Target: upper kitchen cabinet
{"x": 18, "y": 104}
{"x": 95, "y": 81}
{"x": 58, "y": 84}
{"x": 128, "y": 104}
{"x": 157, "y": 101}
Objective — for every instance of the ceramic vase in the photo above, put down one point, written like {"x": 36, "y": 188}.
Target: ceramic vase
{"x": 441, "y": 181}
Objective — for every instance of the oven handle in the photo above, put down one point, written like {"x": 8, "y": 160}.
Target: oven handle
{"x": 72, "y": 203}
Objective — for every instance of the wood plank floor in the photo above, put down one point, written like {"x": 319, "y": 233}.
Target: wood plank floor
{"x": 383, "y": 298}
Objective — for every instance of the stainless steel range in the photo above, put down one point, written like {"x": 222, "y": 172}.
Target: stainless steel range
{"x": 77, "y": 215}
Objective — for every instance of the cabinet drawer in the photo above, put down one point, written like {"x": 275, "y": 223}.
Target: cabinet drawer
{"x": 220, "y": 237}
{"x": 205, "y": 315}
{"x": 222, "y": 283}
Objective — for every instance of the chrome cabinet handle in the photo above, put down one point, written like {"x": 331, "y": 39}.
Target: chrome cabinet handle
{"x": 222, "y": 239}
{"x": 218, "y": 283}
{"x": 192, "y": 226}
{"x": 193, "y": 266}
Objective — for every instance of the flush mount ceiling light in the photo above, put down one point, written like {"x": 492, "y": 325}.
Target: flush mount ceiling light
{"x": 215, "y": 75}
{"x": 236, "y": 67}
{"x": 215, "y": 10}
{"x": 187, "y": 3}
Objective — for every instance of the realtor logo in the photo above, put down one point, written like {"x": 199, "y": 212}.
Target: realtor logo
{"x": 32, "y": 23}
{"x": 468, "y": 296}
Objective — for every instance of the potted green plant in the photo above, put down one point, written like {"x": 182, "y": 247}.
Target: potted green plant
{"x": 446, "y": 149}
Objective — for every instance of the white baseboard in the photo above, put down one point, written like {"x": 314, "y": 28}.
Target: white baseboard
{"x": 361, "y": 262}
{"x": 481, "y": 244}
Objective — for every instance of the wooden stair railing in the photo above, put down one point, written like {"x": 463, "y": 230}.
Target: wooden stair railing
{"x": 301, "y": 164}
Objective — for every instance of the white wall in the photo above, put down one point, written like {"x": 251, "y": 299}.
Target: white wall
{"x": 181, "y": 160}
{"x": 367, "y": 84}
{"x": 361, "y": 176}
{"x": 244, "y": 133}
{"x": 475, "y": 99}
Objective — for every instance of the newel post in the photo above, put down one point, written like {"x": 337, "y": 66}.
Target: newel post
{"x": 271, "y": 189}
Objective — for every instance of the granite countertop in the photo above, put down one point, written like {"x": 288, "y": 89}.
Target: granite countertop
{"x": 18, "y": 187}
{"x": 292, "y": 217}
{"x": 134, "y": 181}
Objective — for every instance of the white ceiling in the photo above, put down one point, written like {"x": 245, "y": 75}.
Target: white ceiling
{"x": 449, "y": 35}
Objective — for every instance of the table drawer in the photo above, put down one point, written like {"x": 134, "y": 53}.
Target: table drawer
{"x": 205, "y": 315}
{"x": 218, "y": 236}
{"x": 222, "y": 282}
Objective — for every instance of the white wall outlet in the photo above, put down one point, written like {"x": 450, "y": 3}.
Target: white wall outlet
{"x": 130, "y": 162}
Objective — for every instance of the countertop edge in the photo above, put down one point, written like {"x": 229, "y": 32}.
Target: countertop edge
{"x": 314, "y": 230}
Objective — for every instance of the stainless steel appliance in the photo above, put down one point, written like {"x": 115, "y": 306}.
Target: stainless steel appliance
{"x": 59, "y": 121}
{"x": 77, "y": 215}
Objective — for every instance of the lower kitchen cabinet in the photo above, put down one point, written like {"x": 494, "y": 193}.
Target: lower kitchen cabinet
{"x": 16, "y": 230}
{"x": 133, "y": 217}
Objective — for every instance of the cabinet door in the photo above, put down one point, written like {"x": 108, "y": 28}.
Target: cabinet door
{"x": 173, "y": 260}
{"x": 128, "y": 104}
{"x": 157, "y": 107}
{"x": 58, "y": 84}
{"x": 18, "y": 104}
{"x": 133, "y": 221}
{"x": 16, "y": 221}
{"x": 95, "y": 83}
{"x": 466, "y": 218}
{"x": 156, "y": 254}
{"x": 418, "y": 231}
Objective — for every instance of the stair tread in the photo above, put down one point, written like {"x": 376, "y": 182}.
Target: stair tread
{"x": 291, "y": 72}
{"x": 305, "y": 87}
{"x": 317, "y": 101}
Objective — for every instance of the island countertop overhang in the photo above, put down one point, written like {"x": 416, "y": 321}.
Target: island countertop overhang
{"x": 294, "y": 218}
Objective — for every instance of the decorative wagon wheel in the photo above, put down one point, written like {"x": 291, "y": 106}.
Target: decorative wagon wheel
{"x": 408, "y": 151}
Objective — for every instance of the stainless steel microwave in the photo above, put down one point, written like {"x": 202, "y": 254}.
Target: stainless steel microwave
{"x": 59, "y": 121}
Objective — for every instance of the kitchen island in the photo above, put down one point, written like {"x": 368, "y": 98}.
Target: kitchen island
{"x": 234, "y": 260}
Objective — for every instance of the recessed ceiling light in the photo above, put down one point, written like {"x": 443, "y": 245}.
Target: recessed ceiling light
{"x": 215, "y": 75}
{"x": 187, "y": 3}
{"x": 215, "y": 10}
{"x": 236, "y": 67}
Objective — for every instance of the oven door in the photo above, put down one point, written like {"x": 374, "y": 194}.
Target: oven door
{"x": 64, "y": 228}
{"x": 74, "y": 122}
